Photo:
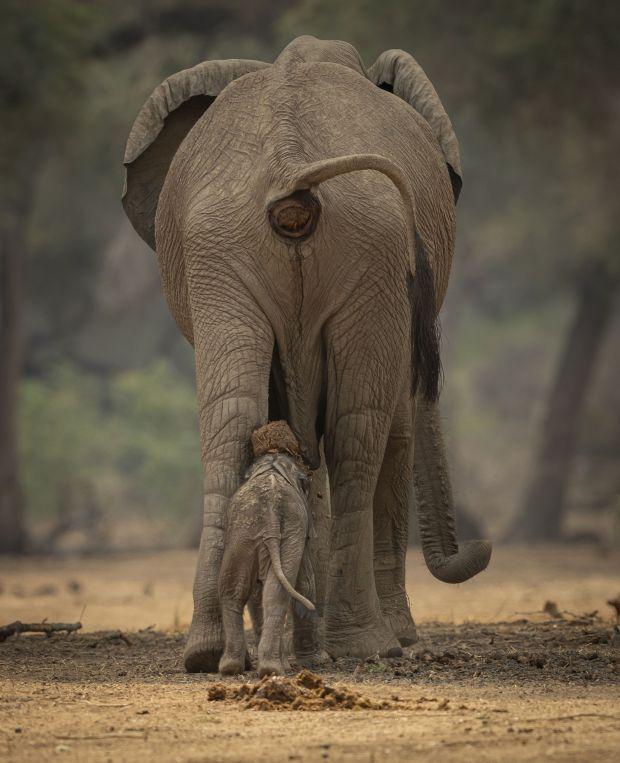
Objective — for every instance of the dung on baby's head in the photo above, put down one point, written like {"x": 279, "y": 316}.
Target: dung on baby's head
{"x": 274, "y": 437}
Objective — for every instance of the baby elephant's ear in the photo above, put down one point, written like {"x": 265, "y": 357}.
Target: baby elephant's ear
{"x": 402, "y": 75}
{"x": 170, "y": 112}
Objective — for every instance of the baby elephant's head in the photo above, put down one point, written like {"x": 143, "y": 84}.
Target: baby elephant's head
{"x": 282, "y": 466}
{"x": 275, "y": 447}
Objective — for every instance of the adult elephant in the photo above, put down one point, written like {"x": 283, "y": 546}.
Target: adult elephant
{"x": 303, "y": 217}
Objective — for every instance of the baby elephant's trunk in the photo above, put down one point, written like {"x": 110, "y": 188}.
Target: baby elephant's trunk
{"x": 273, "y": 547}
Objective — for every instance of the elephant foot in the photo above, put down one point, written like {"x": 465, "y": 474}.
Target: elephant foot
{"x": 320, "y": 659}
{"x": 270, "y": 667}
{"x": 232, "y": 665}
{"x": 397, "y": 615}
{"x": 408, "y": 637}
{"x": 204, "y": 647}
{"x": 362, "y": 642}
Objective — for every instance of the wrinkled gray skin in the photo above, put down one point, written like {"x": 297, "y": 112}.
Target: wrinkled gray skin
{"x": 266, "y": 529}
{"x": 314, "y": 331}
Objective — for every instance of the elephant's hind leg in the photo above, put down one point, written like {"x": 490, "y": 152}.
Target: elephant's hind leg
{"x": 276, "y": 603}
{"x": 234, "y": 347}
{"x": 237, "y": 576}
{"x": 391, "y": 525}
{"x": 306, "y": 624}
{"x": 360, "y": 410}
{"x": 309, "y": 639}
{"x": 255, "y": 606}
{"x": 233, "y": 660}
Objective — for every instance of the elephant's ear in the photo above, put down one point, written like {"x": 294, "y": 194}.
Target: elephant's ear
{"x": 402, "y": 75}
{"x": 170, "y": 112}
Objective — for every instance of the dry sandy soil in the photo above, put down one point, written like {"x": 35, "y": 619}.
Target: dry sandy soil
{"x": 492, "y": 677}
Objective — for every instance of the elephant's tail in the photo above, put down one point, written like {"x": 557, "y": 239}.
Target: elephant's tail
{"x": 295, "y": 214}
{"x": 273, "y": 547}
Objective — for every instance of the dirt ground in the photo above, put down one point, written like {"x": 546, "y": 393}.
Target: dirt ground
{"x": 492, "y": 677}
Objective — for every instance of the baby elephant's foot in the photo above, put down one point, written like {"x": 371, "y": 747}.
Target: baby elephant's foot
{"x": 270, "y": 667}
{"x": 232, "y": 665}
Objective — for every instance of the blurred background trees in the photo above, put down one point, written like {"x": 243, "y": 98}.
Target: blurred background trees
{"x": 42, "y": 49}
{"x": 97, "y": 410}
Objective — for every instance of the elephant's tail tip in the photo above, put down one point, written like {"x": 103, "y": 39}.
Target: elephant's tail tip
{"x": 305, "y": 612}
{"x": 305, "y": 602}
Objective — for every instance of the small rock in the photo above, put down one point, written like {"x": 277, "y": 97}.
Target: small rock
{"x": 551, "y": 608}
{"x": 615, "y": 605}
{"x": 45, "y": 590}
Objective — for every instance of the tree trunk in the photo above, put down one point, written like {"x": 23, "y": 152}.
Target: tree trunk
{"x": 12, "y": 535}
{"x": 541, "y": 514}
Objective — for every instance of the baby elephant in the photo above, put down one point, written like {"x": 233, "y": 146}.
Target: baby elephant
{"x": 267, "y": 526}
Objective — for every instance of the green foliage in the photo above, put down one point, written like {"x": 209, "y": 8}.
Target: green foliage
{"x": 132, "y": 437}
{"x": 43, "y": 47}
{"x": 155, "y": 435}
{"x": 62, "y": 435}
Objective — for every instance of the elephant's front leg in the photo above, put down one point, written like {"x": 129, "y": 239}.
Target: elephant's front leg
{"x": 234, "y": 345}
{"x": 363, "y": 383}
{"x": 391, "y": 523}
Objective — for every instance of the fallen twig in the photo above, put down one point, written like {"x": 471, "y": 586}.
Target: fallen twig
{"x": 550, "y": 608}
{"x": 116, "y": 636}
{"x": 88, "y": 737}
{"x": 571, "y": 717}
{"x": 16, "y": 628}
{"x": 111, "y": 704}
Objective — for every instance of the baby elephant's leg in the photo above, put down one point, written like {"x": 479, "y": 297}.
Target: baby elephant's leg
{"x": 255, "y": 605}
{"x": 275, "y": 605}
{"x": 306, "y": 622}
{"x": 232, "y": 660}
{"x": 235, "y": 586}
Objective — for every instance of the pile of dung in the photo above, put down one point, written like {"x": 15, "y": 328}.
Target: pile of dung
{"x": 274, "y": 437}
{"x": 305, "y": 691}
